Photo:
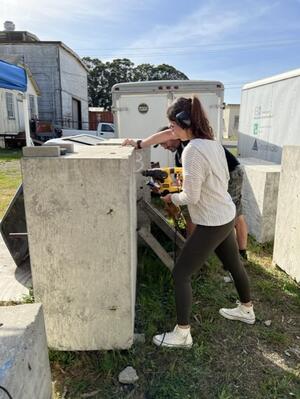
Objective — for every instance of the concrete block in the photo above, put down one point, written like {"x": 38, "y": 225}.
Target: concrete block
{"x": 287, "y": 233}
{"x": 81, "y": 221}
{"x": 42, "y": 151}
{"x": 142, "y": 159}
{"x": 259, "y": 197}
{"x": 24, "y": 362}
{"x": 60, "y": 143}
{"x": 142, "y": 162}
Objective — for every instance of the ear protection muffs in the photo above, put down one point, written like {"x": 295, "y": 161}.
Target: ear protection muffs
{"x": 183, "y": 120}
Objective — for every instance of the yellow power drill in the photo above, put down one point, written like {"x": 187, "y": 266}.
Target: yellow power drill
{"x": 164, "y": 181}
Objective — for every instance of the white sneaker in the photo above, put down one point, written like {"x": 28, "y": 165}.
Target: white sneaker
{"x": 241, "y": 313}
{"x": 178, "y": 338}
{"x": 228, "y": 279}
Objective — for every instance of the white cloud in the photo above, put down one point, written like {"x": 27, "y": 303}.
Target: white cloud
{"x": 78, "y": 23}
{"x": 207, "y": 27}
{"x": 31, "y": 12}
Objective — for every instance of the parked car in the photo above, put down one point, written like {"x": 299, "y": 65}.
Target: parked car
{"x": 106, "y": 130}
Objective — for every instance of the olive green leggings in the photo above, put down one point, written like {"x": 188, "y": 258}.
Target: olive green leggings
{"x": 198, "y": 247}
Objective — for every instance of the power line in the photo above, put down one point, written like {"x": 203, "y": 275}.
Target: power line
{"x": 123, "y": 54}
{"x": 214, "y": 46}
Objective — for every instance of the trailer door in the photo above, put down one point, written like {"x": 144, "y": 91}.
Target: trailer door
{"x": 140, "y": 115}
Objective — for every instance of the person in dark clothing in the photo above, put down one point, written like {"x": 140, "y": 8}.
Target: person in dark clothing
{"x": 235, "y": 190}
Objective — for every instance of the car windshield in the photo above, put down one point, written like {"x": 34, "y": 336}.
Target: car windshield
{"x": 107, "y": 128}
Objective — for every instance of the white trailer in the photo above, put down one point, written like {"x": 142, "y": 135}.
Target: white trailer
{"x": 139, "y": 108}
{"x": 270, "y": 116}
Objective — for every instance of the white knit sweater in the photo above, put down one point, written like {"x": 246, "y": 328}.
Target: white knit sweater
{"x": 205, "y": 184}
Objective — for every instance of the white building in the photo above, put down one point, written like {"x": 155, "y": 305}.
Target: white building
{"x": 231, "y": 120}
{"x": 11, "y": 108}
{"x": 60, "y": 74}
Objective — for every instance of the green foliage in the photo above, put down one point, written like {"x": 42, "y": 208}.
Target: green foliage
{"x": 277, "y": 388}
{"x": 103, "y": 75}
{"x": 274, "y": 337}
{"x": 225, "y": 394}
{"x": 10, "y": 177}
{"x": 7, "y": 155}
{"x": 28, "y": 298}
{"x": 62, "y": 357}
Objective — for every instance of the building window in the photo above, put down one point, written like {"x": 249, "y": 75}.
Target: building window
{"x": 236, "y": 122}
{"x": 10, "y": 105}
{"x": 32, "y": 106}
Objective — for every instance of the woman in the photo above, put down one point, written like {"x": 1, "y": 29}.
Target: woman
{"x": 204, "y": 191}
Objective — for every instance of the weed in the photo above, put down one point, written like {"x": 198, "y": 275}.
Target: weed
{"x": 225, "y": 394}
{"x": 274, "y": 337}
{"x": 28, "y": 298}
{"x": 10, "y": 177}
{"x": 62, "y": 357}
{"x": 275, "y": 387}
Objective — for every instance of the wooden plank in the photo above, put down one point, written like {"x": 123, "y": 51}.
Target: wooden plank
{"x": 156, "y": 217}
{"x": 156, "y": 247}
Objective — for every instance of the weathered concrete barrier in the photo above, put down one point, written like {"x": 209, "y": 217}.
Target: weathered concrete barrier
{"x": 287, "y": 233}
{"x": 142, "y": 162}
{"x": 259, "y": 197}
{"x": 81, "y": 220}
{"x": 24, "y": 362}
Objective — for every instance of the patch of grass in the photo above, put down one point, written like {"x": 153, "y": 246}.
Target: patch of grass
{"x": 279, "y": 388}
{"x": 63, "y": 358}
{"x": 234, "y": 151}
{"x": 10, "y": 177}
{"x": 29, "y": 298}
{"x": 172, "y": 384}
{"x": 273, "y": 337}
{"x": 267, "y": 289}
{"x": 225, "y": 394}
{"x": 7, "y": 155}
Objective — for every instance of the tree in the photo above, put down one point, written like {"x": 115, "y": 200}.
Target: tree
{"x": 160, "y": 72}
{"x": 102, "y": 76}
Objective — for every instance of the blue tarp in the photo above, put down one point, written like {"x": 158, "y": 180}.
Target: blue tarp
{"x": 12, "y": 77}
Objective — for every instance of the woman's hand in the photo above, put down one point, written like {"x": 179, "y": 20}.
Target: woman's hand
{"x": 130, "y": 142}
{"x": 167, "y": 198}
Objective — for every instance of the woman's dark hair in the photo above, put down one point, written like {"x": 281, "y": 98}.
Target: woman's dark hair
{"x": 192, "y": 107}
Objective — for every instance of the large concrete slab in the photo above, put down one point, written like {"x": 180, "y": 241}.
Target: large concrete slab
{"x": 24, "y": 362}
{"x": 287, "y": 233}
{"x": 14, "y": 282}
{"x": 259, "y": 196}
{"x": 81, "y": 221}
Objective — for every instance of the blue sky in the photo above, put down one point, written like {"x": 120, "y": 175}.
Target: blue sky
{"x": 235, "y": 42}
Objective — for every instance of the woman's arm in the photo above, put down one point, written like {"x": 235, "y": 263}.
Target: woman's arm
{"x": 156, "y": 138}
{"x": 194, "y": 167}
